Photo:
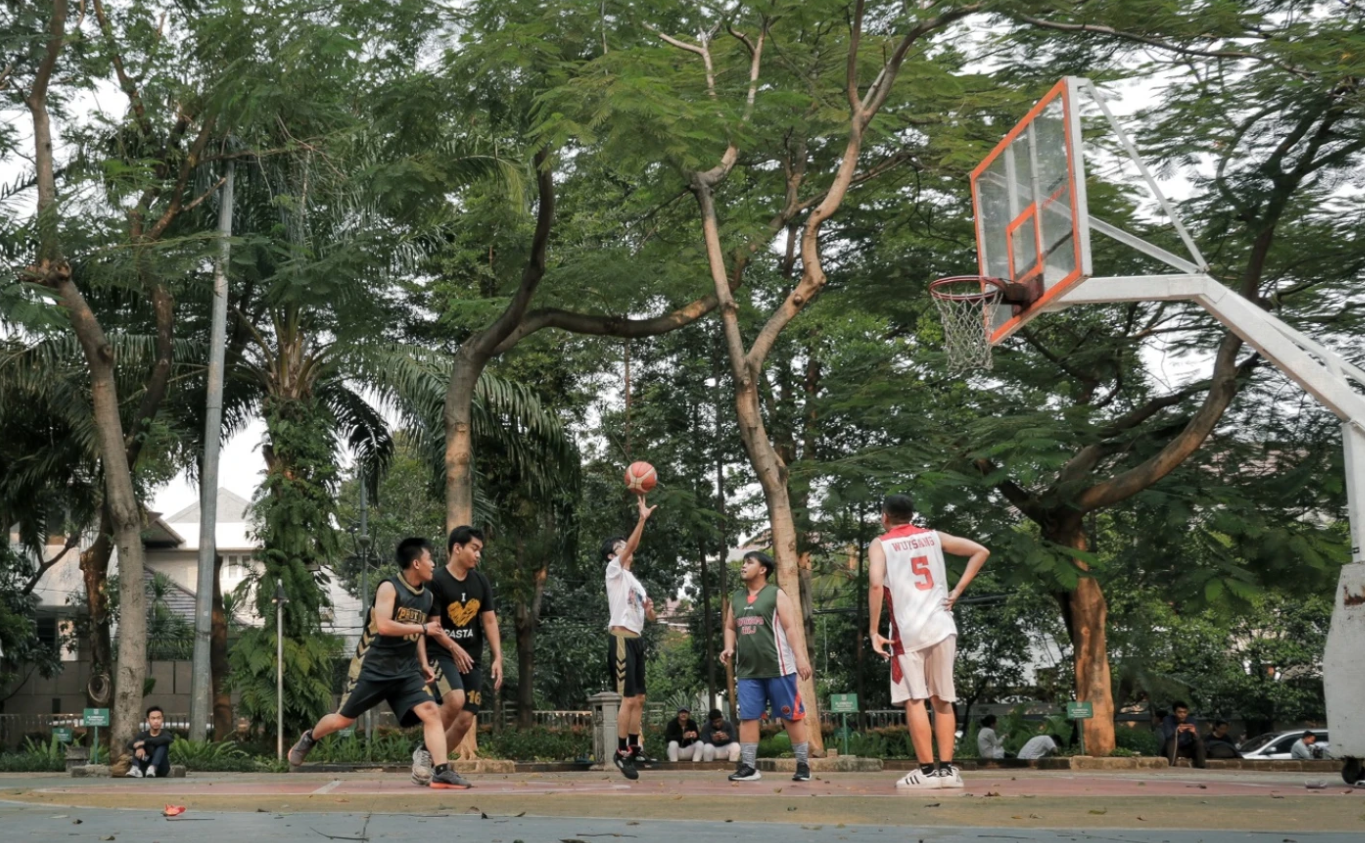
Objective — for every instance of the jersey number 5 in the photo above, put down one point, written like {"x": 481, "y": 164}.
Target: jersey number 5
{"x": 919, "y": 566}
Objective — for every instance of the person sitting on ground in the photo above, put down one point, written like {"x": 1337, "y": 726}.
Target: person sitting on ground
{"x": 719, "y": 738}
{"x": 1041, "y": 747}
{"x": 988, "y": 743}
{"x": 684, "y": 741}
{"x": 1218, "y": 743}
{"x": 1303, "y": 748}
{"x": 1180, "y": 737}
{"x": 152, "y": 748}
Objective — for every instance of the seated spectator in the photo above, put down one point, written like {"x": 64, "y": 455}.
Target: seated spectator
{"x": 152, "y": 748}
{"x": 720, "y": 738}
{"x": 1180, "y": 737}
{"x": 988, "y": 743}
{"x": 1041, "y": 747}
{"x": 1303, "y": 748}
{"x": 683, "y": 739}
{"x": 1218, "y": 743}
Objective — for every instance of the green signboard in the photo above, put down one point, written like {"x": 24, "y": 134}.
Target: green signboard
{"x": 843, "y": 703}
{"x": 1080, "y": 710}
{"x": 96, "y": 717}
{"x": 62, "y": 733}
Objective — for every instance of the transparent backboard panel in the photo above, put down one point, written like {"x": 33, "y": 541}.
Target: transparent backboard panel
{"x": 1029, "y": 196}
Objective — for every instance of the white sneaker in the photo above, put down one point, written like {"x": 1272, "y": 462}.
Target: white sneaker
{"x": 948, "y": 776}
{"x": 916, "y": 779}
{"x": 151, "y": 772}
{"x": 135, "y": 772}
{"x": 422, "y": 767}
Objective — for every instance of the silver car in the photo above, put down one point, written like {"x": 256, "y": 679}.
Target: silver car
{"x": 1275, "y": 746}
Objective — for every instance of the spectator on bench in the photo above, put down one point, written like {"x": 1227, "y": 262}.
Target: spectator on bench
{"x": 152, "y": 748}
{"x": 1218, "y": 743}
{"x": 1180, "y": 737}
{"x": 683, "y": 738}
{"x": 720, "y": 740}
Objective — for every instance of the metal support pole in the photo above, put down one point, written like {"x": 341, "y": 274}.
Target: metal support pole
{"x": 280, "y": 600}
{"x": 364, "y": 542}
{"x": 201, "y": 678}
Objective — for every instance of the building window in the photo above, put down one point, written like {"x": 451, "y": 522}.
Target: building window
{"x": 47, "y": 631}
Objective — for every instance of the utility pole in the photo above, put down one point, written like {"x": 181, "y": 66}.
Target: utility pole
{"x": 364, "y": 542}
{"x": 201, "y": 678}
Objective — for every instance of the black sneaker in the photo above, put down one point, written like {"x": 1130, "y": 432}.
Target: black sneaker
{"x": 637, "y": 754}
{"x": 745, "y": 773}
{"x": 448, "y": 779}
{"x": 802, "y": 772}
{"x": 625, "y": 762}
{"x": 298, "y": 753}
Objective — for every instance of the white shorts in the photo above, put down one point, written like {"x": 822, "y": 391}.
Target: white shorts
{"x": 925, "y": 673}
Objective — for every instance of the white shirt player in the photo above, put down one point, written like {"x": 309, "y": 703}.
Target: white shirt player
{"x": 626, "y": 597}
{"x": 916, "y": 587}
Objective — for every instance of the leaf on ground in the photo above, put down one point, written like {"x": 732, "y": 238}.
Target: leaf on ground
{"x": 992, "y": 793}
{"x": 1142, "y": 819}
{"x": 1099, "y": 810}
{"x": 933, "y": 804}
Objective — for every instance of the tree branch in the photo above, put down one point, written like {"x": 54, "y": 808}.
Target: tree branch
{"x": 125, "y": 82}
{"x": 489, "y": 339}
{"x": 1018, "y": 497}
{"x": 71, "y": 542}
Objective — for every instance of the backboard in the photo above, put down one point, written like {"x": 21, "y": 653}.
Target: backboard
{"x": 1030, "y": 207}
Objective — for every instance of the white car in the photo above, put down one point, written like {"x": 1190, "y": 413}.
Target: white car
{"x": 1275, "y": 746}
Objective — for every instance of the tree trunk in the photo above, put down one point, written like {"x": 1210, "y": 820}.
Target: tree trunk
{"x": 1086, "y": 613}
{"x": 95, "y": 574}
{"x": 459, "y": 422}
{"x": 223, "y": 726}
{"x": 710, "y": 655}
{"x": 528, "y": 621}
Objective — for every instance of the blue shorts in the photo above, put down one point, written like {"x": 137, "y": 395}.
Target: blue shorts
{"x": 755, "y": 694}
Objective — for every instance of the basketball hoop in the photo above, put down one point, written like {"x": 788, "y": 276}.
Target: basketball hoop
{"x": 963, "y": 303}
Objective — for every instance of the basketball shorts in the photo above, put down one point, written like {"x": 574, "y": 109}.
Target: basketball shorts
{"x": 925, "y": 673}
{"x": 626, "y": 663}
{"x": 449, "y": 678}
{"x": 402, "y": 693}
{"x": 780, "y": 691}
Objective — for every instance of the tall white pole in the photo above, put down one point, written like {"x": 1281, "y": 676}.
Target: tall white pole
{"x": 279, "y": 669}
{"x": 201, "y": 679}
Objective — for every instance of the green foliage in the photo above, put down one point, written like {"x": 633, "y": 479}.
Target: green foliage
{"x": 1137, "y": 740}
{"x": 210, "y": 756}
{"x": 386, "y": 748}
{"x": 36, "y": 757}
{"x": 308, "y": 688}
{"x": 542, "y": 744}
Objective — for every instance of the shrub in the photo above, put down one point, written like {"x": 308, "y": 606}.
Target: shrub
{"x": 1138, "y": 741}
{"x": 36, "y": 757}
{"x": 541, "y": 743}
{"x": 207, "y": 756}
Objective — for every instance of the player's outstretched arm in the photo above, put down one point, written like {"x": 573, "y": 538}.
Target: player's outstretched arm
{"x": 796, "y": 632}
{"x": 633, "y": 542}
{"x": 977, "y": 555}
{"x": 876, "y": 580}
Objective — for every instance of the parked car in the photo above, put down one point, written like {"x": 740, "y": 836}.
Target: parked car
{"x": 1275, "y": 746}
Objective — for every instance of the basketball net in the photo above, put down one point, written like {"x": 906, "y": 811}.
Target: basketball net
{"x": 962, "y": 303}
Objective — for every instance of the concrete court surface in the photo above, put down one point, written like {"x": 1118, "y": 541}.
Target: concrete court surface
{"x": 1169, "y": 806}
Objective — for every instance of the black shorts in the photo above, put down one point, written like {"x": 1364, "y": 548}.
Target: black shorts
{"x": 626, "y": 663}
{"x": 403, "y": 694}
{"x": 449, "y": 678}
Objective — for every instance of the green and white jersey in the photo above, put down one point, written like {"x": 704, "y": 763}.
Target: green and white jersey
{"x": 761, "y": 648}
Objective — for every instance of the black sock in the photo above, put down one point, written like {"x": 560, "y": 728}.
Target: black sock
{"x": 441, "y": 768}
{"x": 621, "y": 745}
{"x": 926, "y": 769}
{"x": 634, "y": 740}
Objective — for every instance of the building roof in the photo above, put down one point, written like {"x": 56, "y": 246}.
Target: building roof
{"x": 231, "y": 509}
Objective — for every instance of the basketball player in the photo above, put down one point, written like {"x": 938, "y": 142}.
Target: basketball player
{"x": 764, "y": 635}
{"x": 906, "y": 565}
{"x": 390, "y": 663}
{"x": 630, "y": 607}
{"x": 462, "y": 600}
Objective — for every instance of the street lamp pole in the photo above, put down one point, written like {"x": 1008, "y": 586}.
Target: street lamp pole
{"x": 364, "y": 542}
{"x": 279, "y": 601}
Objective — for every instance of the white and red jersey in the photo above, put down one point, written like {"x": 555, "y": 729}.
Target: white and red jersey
{"x": 916, "y": 588}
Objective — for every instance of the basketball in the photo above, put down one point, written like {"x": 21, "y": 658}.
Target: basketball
{"x": 640, "y": 477}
